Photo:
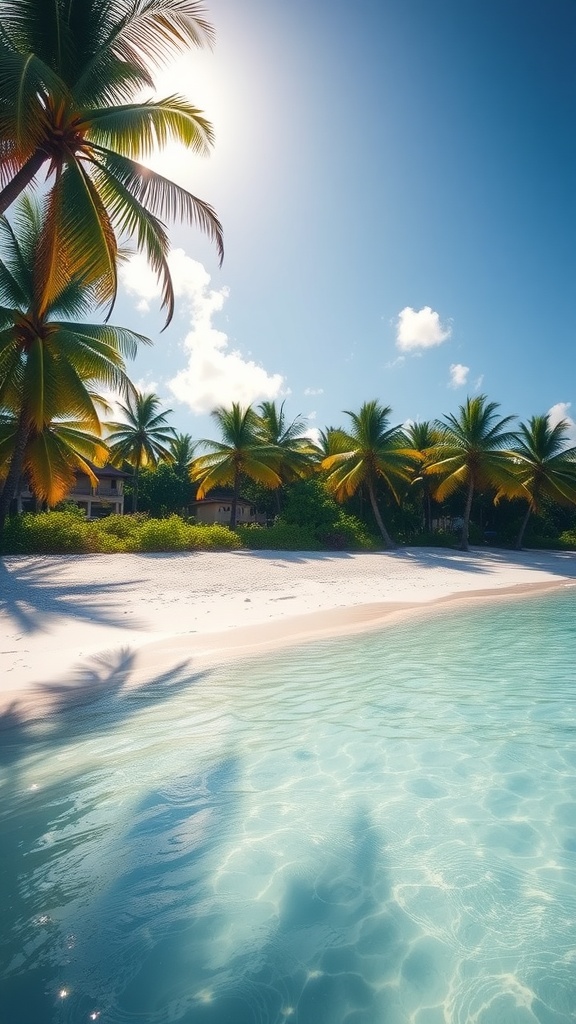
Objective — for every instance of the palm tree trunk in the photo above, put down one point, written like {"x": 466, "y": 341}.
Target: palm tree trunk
{"x": 21, "y": 179}
{"x": 520, "y": 536}
{"x": 389, "y": 543}
{"x": 235, "y": 495}
{"x": 11, "y": 482}
{"x": 464, "y": 545}
{"x": 136, "y": 479}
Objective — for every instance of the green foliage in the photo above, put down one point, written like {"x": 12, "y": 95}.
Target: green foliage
{"x": 164, "y": 490}
{"x": 68, "y": 532}
{"x": 308, "y": 504}
{"x": 47, "y": 533}
{"x": 280, "y": 537}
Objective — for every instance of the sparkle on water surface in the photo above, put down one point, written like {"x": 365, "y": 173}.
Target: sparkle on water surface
{"x": 374, "y": 830}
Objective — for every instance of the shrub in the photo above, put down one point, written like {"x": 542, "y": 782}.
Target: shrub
{"x": 347, "y": 533}
{"x": 47, "y": 533}
{"x": 121, "y": 526}
{"x": 280, "y": 537}
{"x": 202, "y": 537}
{"x": 161, "y": 535}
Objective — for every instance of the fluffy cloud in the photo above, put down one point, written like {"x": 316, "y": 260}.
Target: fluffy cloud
{"x": 458, "y": 375}
{"x": 313, "y": 391}
{"x": 419, "y": 329}
{"x": 215, "y": 374}
{"x": 559, "y": 412}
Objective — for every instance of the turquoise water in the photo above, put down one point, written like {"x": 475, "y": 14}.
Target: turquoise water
{"x": 374, "y": 830}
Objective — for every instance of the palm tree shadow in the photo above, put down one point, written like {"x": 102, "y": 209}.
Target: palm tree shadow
{"x": 330, "y": 939}
{"x": 97, "y": 696}
{"x": 30, "y": 595}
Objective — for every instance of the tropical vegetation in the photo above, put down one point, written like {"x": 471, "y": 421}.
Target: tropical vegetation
{"x": 78, "y": 114}
{"x": 143, "y": 439}
{"x": 375, "y": 451}
{"x": 472, "y": 452}
{"x": 72, "y": 73}
{"x": 51, "y": 361}
{"x": 244, "y": 451}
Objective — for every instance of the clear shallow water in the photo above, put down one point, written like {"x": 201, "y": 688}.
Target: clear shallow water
{"x": 374, "y": 830}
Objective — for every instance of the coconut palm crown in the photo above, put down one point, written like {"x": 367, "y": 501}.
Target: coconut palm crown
{"x": 472, "y": 452}
{"x": 50, "y": 359}
{"x": 544, "y": 466}
{"x": 144, "y": 439}
{"x": 375, "y": 451}
{"x": 241, "y": 452}
{"x": 71, "y": 72}
{"x": 295, "y": 450}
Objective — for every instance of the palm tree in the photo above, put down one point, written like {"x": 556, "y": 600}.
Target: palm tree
{"x": 544, "y": 467}
{"x": 472, "y": 451}
{"x": 294, "y": 449}
{"x": 144, "y": 439}
{"x": 375, "y": 451}
{"x": 182, "y": 449}
{"x": 54, "y": 455}
{"x": 421, "y": 437}
{"x": 49, "y": 363}
{"x": 69, "y": 74}
{"x": 241, "y": 452}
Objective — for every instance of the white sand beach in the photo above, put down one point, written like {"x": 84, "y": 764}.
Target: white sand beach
{"x": 64, "y": 620}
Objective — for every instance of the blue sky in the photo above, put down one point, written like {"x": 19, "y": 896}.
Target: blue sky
{"x": 396, "y": 181}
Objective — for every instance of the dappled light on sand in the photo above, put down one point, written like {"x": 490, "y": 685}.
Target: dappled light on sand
{"x": 369, "y": 830}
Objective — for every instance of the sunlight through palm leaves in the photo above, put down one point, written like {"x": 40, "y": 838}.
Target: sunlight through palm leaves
{"x": 69, "y": 73}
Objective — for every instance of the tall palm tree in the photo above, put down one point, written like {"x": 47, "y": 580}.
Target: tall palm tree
{"x": 375, "y": 451}
{"x": 294, "y": 449}
{"x": 50, "y": 360}
{"x": 422, "y": 436}
{"x": 472, "y": 452}
{"x": 241, "y": 452}
{"x": 545, "y": 467}
{"x": 70, "y": 75}
{"x": 144, "y": 438}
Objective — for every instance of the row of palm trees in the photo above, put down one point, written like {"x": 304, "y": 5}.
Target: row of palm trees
{"x": 472, "y": 451}
{"x": 74, "y": 127}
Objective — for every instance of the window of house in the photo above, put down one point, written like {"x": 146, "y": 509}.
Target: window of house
{"x": 113, "y": 485}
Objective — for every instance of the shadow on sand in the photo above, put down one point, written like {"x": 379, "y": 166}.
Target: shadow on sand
{"x": 30, "y": 593}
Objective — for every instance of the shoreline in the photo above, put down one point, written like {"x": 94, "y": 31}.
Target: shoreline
{"x": 247, "y": 642}
{"x": 71, "y": 626}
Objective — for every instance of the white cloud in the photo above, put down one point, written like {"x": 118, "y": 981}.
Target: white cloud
{"x": 313, "y": 391}
{"x": 419, "y": 329}
{"x": 313, "y": 433}
{"x": 311, "y": 415}
{"x": 458, "y": 375}
{"x": 478, "y": 382}
{"x": 558, "y": 413}
{"x": 215, "y": 374}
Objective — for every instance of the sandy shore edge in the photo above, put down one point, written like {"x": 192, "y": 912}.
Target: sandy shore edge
{"x": 215, "y": 649}
{"x": 293, "y": 599}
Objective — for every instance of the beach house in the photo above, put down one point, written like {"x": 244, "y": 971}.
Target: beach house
{"x": 99, "y": 500}
{"x": 217, "y": 506}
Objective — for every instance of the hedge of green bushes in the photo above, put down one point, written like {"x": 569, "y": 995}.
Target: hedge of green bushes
{"x": 69, "y": 532}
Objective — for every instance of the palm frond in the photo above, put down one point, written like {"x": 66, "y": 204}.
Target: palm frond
{"x": 137, "y": 130}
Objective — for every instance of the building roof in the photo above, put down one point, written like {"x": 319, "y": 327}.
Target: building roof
{"x": 101, "y": 471}
{"x": 217, "y": 499}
